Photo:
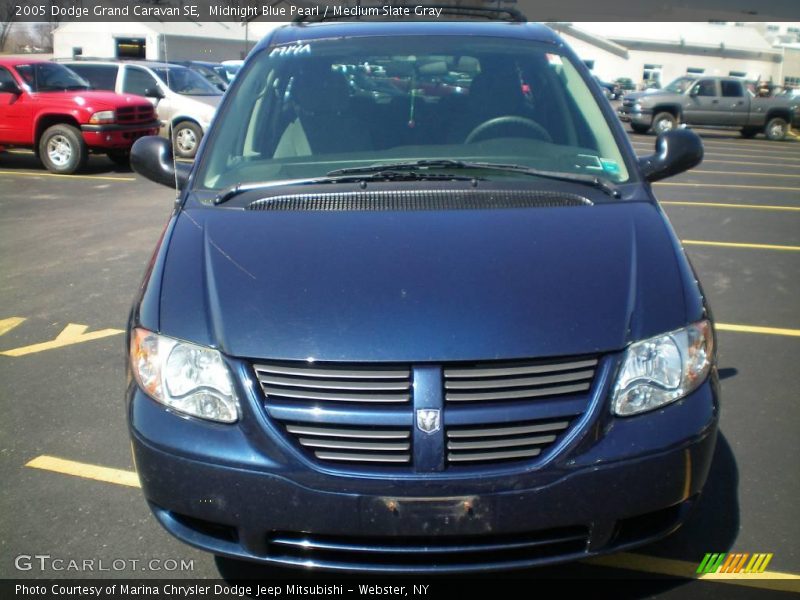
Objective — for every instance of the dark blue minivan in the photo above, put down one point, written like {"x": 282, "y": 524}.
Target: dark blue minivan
{"x": 417, "y": 310}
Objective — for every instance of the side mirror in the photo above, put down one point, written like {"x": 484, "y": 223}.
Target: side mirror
{"x": 676, "y": 151}
{"x": 10, "y": 87}
{"x": 151, "y": 156}
{"x": 154, "y": 92}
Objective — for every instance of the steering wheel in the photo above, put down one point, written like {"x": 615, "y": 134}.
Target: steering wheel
{"x": 508, "y": 120}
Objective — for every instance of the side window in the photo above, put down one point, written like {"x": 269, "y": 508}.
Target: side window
{"x": 101, "y": 77}
{"x": 6, "y": 77}
{"x": 732, "y": 89}
{"x": 706, "y": 87}
{"x": 137, "y": 81}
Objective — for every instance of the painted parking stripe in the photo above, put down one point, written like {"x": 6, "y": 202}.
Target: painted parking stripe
{"x": 741, "y": 162}
{"x": 747, "y": 173}
{"x": 741, "y": 245}
{"x": 4, "y": 172}
{"x": 757, "y": 329}
{"x": 729, "y": 185}
{"x": 73, "y": 333}
{"x": 635, "y": 562}
{"x": 769, "y": 580}
{"x": 7, "y": 325}
{"x": 85, "y": 470}
{"x": 728, "y": 205}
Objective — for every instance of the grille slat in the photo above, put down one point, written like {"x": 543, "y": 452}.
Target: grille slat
{"x": 351, "y": 433}
{"x": 500, "y": 431}
{"x": 485, "y": 371}
{"x": 345, "y": 445}
{"x": 501, "y": 442}
{"x": 311, "y": 395}
{"x": 376, "y": 373}
{"x": 516, "y": 442}
{"x": 135, "y": 114}
{"x": 518, "y": 394}
{"x": 517, "y": 382}
{"x": 335, "y": 385}
{"x": 352, "y": 457}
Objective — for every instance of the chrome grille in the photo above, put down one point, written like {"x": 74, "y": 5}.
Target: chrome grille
{"x": 376, "y": 385}
{"x": 518, "y": 381}
{"x": 345, "y": 444}
{"x": 504, "y": 441}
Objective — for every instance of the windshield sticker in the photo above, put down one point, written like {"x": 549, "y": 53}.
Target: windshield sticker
{"x": 610, "y": 166}
{"x": 297, "y": 49}
{"x": 553, "y": 59}
{"x": 589, "y": 161}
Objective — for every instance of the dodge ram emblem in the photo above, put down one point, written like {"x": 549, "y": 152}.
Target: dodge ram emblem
{"x": 428, "y": 420}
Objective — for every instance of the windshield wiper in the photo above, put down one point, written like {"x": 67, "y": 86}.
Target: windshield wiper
{"x": 384, "y": 174}
{"x": 598, "y": 182}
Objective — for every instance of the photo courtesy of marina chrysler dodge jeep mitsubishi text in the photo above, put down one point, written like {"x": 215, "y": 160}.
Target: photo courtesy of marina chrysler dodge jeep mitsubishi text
{"x": 417, "y": 310}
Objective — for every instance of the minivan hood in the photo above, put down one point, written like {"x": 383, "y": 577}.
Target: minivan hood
{"x": 422, "y": 285}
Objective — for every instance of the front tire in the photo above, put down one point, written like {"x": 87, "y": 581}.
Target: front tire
{"x": 664, "y": 122}
{"x": 186, "y": 138}
{"x": 62, "y": 149}
{"x": 776, "y": 129}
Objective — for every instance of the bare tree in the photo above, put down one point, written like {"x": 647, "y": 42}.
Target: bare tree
{"x": 7, "y": 18}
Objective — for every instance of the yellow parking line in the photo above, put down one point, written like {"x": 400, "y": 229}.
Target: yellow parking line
{"x": 99, "y": 177}
{"x": 728, "y": 205}
{"x": 751, "y": 174}
{"x": 7, "y": 325}
{"x": 757, "y": 329}
{"x": 741, "y": 162}
{"x": 741, "y": 245}
{"x": 73, "y": 333}
{"x": 85, "y": 470}
{"x": 769, "y": 580}
{"x": 730, "y": 185}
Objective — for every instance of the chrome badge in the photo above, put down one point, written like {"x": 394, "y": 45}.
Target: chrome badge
{"x": 428, "y": 420}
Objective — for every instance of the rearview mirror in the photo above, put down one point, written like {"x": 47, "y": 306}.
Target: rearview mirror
{"x": 151, "y": 156}
{"x": 676, "y": 151}
{"x": 9, "y": 87}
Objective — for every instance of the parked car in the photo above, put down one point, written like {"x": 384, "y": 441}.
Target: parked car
{"x": 709, "y": 102}
{"x": 448, "y": 336}
{"x": 184, "y": 100}
{"x": 612, "y": 91}
{"x": 47, "y": 107}
{"x": 213, "y": 72}
{"x": 625, "y": 84}
{"x": 232, "y": 68}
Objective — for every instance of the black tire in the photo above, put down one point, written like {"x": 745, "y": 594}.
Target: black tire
{"x": 639, "y": 128}
{"x": 664, "y": 122}
{"x": 186, "y": 138}
{"x": 750, "y": 132}
{"x": 776, "y": 129}
{"x": 62, "y": 149}
{"x": 121, "y": 158}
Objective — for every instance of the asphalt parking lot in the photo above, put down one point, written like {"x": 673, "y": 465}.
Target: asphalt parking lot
{"x": 72, "y": 253}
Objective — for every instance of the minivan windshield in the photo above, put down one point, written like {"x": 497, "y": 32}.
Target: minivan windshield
{"x": 184, "y": 80}
{"x": 303, "y": 110}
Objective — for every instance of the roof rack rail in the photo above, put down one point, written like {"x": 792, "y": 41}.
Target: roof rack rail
{"x": 512, "y": 14}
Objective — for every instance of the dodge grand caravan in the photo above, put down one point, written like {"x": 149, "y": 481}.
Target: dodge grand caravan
{"x": 414, "y": 331}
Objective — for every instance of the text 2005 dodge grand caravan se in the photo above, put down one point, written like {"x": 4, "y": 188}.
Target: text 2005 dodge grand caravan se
{"x": 417, "y": 309}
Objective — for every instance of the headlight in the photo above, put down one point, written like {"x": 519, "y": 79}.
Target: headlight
{"x": 663, "y": 369}
{"x": 104, "y": 116}
{"x": 187, "y": 378}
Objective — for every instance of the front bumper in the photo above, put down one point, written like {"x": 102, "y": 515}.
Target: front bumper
{"x": 114, "y": 136}
{"x": 229, "y": 491}
{"x": 636, "y": 117}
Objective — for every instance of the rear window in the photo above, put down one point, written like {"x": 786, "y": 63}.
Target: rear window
{"x": 304, "y": 109}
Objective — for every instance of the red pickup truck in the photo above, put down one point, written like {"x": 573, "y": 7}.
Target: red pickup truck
{"x": 49, "y": 108}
